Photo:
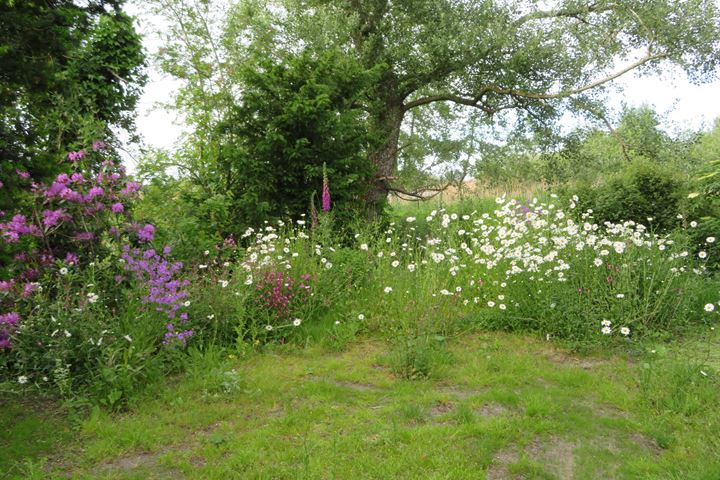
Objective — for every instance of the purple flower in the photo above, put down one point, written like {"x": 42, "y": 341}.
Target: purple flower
{"x": 11, "y": 319}
{"x": 84, "y": 236}
{"x": 130, "y": 187}
{"x": 71, "y": 258}
{"x": 55, "y": 189}
{"x": 94, "y": 192}
{"x": 52, "y": 217}
{"x": 18, "y": 226}
{"x": 98, "y": 145}
{"x": 71, "y": 196}
{"x": 21, "y": 174}
{"x": 28, "y": 288}
{"x": 6, "y": 285}
{"x": 325, "y": 191}
{"x": 117, "y": 208}
{"x": 77, "y": 178}
{"x": 147, "y": 233}
{"x": 75, "y": 156}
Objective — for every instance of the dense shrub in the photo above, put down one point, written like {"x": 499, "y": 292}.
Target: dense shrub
{"x": 642, "y": 191}
{"x": 87, "y": 304}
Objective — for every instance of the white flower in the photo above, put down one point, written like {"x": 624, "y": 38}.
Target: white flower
{"x": 388, "y": 289}
{"x": 187, "y": 303}
{"x": 709, "y": 307}
{"x": 202, "y": 267}
{"x": 127, "y": 337}
{"x": 68, "y": 334}
{"x": 361, "y": 317}
{"x": 328, "y": 265}
{"x": 395, "y": 264}
{"x": 625, "y": 331}
{"x": 63, "y": 271}
{"x": 710, "y": 239}
{"x": 223, "y": 283}
{"x": 268, "y": 328}
{"x": 206, "y": 252}
{"x": 410, "y": 219}
{"x": 606, "y": 323}
{"x": 606, "y": 330}
{"x": 693, "y": 224}
{"x": 502, "y": 306}
{"x": 300, "y": 222}
{"x": 92, "y": 297}
{"x": 297, "y": 322}
{"x": 411, "y": 267}
{"x": 620, "y": 295}
{"x": 211, "y": 316}
{"x": 702, "y": 254}
{"x": 491, "y": 304}
{"x": 364, "y": 246}
{"x": 22, "y": 379}
{"x": 597, "y": 262}
{"x": 337, "y": 322}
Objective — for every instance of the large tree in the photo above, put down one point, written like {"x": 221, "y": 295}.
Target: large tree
{"x": 531, "y": 58}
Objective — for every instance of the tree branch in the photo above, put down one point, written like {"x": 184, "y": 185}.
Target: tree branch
{"x": 476, "y": 101}
{"x": 566, "y": 12}
{"x": 418, "y": 195}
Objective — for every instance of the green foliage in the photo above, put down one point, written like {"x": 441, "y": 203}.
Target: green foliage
{"x": 189, "y": 218}
{"x": 419, "y": 356}
{"x": 295, "y": 116}
{"x": 72, "y": 71}
{"x": 642, "y": 191}
{"x": 423, "y": 55}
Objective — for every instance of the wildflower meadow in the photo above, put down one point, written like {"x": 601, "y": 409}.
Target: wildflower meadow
{"x": 390, "y": 240}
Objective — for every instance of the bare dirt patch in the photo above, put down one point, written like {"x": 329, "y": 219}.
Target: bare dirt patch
{"x": 567, "y": 359}
{"x": 356, "y": 386}
{"x": 459, "y": 392}
{"x": 646, "y": 442}
{"x": 492, "y": 410}
{"x": 555, "y": 453}
{"x": 441, "y": 408}
{"x": 498, "y": 470}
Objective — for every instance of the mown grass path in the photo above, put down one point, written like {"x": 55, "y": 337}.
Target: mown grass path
{"x": 506, "y": 407}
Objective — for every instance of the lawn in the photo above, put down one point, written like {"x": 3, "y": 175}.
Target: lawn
{"x": 501, "y": 406}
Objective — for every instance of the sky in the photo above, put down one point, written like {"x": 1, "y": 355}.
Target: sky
{"x": 684, "y": 106}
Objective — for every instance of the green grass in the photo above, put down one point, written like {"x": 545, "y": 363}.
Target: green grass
{"x": 500, "y": 406}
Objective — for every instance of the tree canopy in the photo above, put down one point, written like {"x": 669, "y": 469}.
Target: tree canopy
{"x": 533, "y": 59}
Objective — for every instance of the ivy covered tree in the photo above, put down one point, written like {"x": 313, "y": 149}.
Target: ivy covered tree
{"x": 71, "y": 72}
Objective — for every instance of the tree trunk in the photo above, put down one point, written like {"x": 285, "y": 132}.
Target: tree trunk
{"x": 384, "y": 155}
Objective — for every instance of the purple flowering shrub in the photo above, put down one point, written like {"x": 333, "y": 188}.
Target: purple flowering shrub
{"x": 85, "y": 291}
{"x": 64, "y": 227}
{"x": 164, "y": 290}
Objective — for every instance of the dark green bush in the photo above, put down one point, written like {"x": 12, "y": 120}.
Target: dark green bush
{"x": 642, "y": 190}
